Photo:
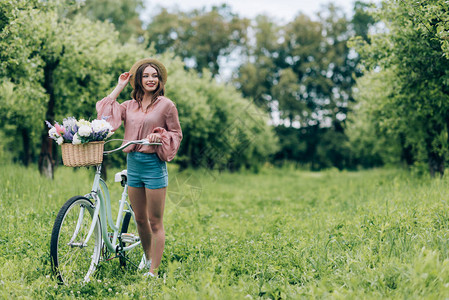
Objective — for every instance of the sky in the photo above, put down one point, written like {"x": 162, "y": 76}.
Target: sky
{"x": 282, "y": 10}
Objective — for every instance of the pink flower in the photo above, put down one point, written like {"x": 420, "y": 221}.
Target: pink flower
{"x": 59, "y": 129}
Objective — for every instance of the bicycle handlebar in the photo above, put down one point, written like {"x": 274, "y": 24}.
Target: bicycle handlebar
{"x": 137, "y": 142}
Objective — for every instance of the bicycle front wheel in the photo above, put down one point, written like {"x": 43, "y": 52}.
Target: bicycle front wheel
{"x": 74, "y": 260}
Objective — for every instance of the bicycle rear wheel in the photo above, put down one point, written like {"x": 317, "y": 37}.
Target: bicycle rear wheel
{"x": 130, "y": 235}
{"x": 72, "y": 261}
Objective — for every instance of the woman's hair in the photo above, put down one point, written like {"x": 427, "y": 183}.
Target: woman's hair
{"x": 139, "y": 92}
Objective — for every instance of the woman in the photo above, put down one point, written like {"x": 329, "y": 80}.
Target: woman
{"x": 148, "y": 115}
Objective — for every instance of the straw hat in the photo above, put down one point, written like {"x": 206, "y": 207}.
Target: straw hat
{"x": 154, "y": 61}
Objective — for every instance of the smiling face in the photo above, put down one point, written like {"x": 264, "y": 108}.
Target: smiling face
{"x": 150, "y": 79}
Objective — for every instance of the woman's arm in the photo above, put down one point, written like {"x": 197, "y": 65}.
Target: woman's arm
{"x": 108, "y": 108}
{"x": 170, "y": 137}
{"x": 122, "y": 82}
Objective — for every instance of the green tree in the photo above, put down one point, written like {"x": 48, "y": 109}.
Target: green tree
{"x": 55, "y": 66}
{"x": 123, "y": 14}
{"x": 287, "y": 94}
{"x": 362, "y": 20}
{"x": 221, "y": 129}
{"x": 200, "y": 37}
{"x": 164, "y": 31}
{"x": 314, "y": 56}
{"x": 257, "y": 73}
{"x": 304, "y": 73}
{"x": 373, "y": 135}
{"x": 413, "y": 49}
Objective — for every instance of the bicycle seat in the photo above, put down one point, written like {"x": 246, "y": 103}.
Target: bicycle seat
{"x": 121, "y": 176}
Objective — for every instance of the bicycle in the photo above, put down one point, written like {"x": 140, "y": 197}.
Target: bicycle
{"x": 80, "y": 236}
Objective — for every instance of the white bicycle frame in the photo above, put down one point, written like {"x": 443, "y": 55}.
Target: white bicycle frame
{"x": 102, "y": 205}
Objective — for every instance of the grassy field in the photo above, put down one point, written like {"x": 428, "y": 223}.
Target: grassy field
{"x": 282, "y": 233}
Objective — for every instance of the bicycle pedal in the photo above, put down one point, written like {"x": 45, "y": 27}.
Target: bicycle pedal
{"x": 129, "y": 238}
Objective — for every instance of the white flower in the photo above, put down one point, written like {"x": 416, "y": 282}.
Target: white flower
{"x": 69, "y": 123}
{"x": 76, "y": 139}
{"x": 84, "y": 130}
{"x": 52, "y": 133}
{"x": 101, "y": 125}
{"x": 82, "y": 122}
{"x": 109, "y": 134}
{"x": 60, "y": 140}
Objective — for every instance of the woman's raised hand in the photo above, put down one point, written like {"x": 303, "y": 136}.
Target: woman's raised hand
{"x": 124, "y": 78}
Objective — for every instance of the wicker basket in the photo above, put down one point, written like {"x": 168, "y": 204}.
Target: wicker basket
{"x": 82, "y": 155}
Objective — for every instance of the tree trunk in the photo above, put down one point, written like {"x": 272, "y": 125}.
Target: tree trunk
{"x": 46, "y": 160}
{"x": 26, "y": 157}
{"x": 435, "y": 160}
{"x": 436, "y": 164}
{"x": 406, "y": 151}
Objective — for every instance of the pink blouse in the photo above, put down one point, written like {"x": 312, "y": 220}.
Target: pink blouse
{"x": 161, "y": 118}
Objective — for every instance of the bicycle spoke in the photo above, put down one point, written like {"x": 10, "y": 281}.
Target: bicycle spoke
{"x": 78, "y": 224}
{"x": 71, "y": 258}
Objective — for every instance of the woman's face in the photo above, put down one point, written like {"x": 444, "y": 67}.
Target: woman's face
{"x": 150, "y": 79}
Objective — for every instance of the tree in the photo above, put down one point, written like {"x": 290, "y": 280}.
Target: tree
{"x": 304, "y": 72}
{"x": 257, "y": 74}
{"x": 54, "y": 64}
{"x": 373, "y": 135}
{"x": 221, "y": 129}
{"x": 362, "y": 20}
{"x": 412, "y": 49}
{"x": 200, "y": 37}
{"x": 287, "y": 94}
{"x": 123, "y": 14}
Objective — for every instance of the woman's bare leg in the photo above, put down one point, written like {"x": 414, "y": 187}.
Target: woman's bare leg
{"x": 139, "y": 203}
{"x": 156, "y": 200}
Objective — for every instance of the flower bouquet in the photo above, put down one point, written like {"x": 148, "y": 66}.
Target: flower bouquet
{"x": 82, "y": 142}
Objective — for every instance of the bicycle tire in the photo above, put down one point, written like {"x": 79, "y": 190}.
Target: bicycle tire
{"x": 73, "y": 262}
{"x": 133, "y": 256}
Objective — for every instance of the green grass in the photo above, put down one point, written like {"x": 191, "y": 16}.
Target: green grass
{"x": 281, "y": 233}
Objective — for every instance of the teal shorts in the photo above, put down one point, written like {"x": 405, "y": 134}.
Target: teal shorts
{"x": 146, "y": 170}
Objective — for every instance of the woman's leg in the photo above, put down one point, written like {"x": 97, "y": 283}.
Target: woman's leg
{"x": 156, "y": 200}
{"x": 139, "y": 203}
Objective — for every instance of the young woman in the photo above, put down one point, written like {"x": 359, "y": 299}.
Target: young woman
{"x": 148, "y": 115}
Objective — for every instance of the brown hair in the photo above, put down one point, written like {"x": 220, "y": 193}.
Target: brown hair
{"x": 139, "y": 92}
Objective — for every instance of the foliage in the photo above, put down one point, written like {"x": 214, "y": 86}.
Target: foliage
{"x": 347, "y": 235}
{"x": 221, "y": 129}
{"x": 303, "y": 72}
{"x": 308, "y": 66}
{"x": 200, "y": 37}
{"x": 51, "y": 64}
{"x": 412, "y": 51}
{"x": 85, "y": 58}
{"x": 373, "y": 135}
{"x": 363, "y": 19}
{"x": 123, "y": 14}
{"x": 314, "y": 147}
{"x": 66, "y": 56}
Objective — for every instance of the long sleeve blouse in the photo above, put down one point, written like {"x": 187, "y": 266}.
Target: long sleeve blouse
{"x": 162, "y": 118}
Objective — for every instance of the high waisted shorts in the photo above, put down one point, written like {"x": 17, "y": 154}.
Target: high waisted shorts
{"x": 146, "y": 170}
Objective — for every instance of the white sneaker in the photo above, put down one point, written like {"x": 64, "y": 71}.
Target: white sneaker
{"x": 149, "y": 274}
{"x": 144, "y": 263}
